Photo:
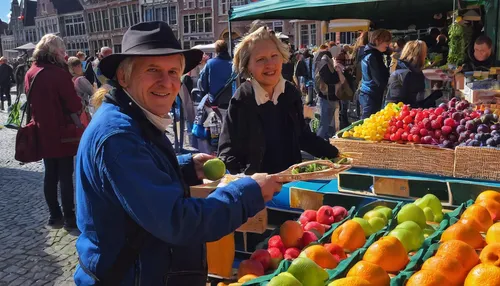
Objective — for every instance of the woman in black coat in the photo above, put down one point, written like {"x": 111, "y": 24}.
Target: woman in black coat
{"x": 264, "y": 129}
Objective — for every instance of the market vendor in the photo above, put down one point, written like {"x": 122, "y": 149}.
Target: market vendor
{"x": 264, "y": 129}
{"x": 138, "y": 223}
{"x": 481, "y": 57}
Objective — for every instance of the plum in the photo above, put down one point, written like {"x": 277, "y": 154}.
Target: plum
{"x": 457, "y": 116}
{"x": 474, "y": 143}
{"x": 472, "y": 136}
{"x": 495, "y": 127}
{"x": 460, "y": 129}
{"x": 463, "y": 121}
{"x": 483, "y": 128}
{"x": 463, "y": 137}
{"x": 453, "y": 138}
{"x": 443, "y": 106}
{"x": 491, "y": 142}
{"x": 470, "y": 125}
{"x": 495, "y": 133}
{"x": 487, "y": 111}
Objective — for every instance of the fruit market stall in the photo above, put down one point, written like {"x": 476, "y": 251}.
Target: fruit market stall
{"x": 383, "y": 243}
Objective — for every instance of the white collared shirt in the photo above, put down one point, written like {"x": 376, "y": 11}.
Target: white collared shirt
{"x": 159, "y": 122}
{"x": 261, "y": 96}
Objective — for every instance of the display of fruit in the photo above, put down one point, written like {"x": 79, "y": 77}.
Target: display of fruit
{"x": 491, "y": 254}
{"x": 465, "y": 233}
{"x": 428, "y": 278}
{"x": 431, "y": 205}
{"x": 493, "y": 234}
{"x": 459, "y": 250}
{"x": 336, "y": 250}
{"x": 365, "y": 225}
{"x": 483, "y": 275}
{"x": 284, "y": 279}
{"x": 250, "y": 266}
{"x": 491, "y": 201}
{"x": 321, "y": 256}
{"x": 409, "y": 234}
{"x": 445, "y": 266}
{"x": 351, "y": 281}
{"x": 291, "y": 234}
{"x": 214, "y": 169}
{"x": 374, "y": 127}
{"x": 478, "y": 217}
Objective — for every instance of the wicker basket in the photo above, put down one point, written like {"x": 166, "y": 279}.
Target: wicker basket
{"x": 403, "y": 157}
{"x": 477, "y": 163}
{"x": 329, "y": 173}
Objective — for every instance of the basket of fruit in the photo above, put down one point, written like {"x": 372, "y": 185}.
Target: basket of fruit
{"x": 312, "y": 170}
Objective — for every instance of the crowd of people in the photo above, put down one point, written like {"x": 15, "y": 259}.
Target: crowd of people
{"x": 137, "y": 219}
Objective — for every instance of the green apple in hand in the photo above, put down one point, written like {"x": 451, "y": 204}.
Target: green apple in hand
{"x": 411, "y": 212}
{"x": 374, "y": 213}
{"x": 365, "y": 225}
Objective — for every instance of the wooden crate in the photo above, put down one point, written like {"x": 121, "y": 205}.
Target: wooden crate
{"x": 477, "y": 163}
{"x": 414, "y": 158}
{"x": 255, "y": 224}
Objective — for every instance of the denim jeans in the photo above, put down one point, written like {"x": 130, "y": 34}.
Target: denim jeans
{"x": 59, "y": 170}
{"x": 329, "y": 112}
{"x": 369, "y": 104}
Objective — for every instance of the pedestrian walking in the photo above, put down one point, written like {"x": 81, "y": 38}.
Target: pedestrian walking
{"x": 52, "y": 101}
{"x": 6, "y": 81}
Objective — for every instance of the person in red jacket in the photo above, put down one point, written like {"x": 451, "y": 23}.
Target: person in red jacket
{"x": 52, "y": 101}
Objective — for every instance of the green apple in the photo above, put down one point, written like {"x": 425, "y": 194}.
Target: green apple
{"x": 284, "y": 279}
{"x": 385, "y": 210}
{"x": 438, "y": 217}
{"x": 377, "y": 223}
{"x": 429, "y": 214}
{"x": 308, "y": 272}
{"x": 431, "y": 201}
{"x": 411, "y": 226}
{"x": 365, "y": 225}
{"x": 374, "y": 213}
{"x": 408, "y": 239}
{"x": 428, "y": 230}
{"x": 411, "y": 212}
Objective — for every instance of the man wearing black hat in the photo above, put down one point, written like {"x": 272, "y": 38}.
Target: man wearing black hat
{"x": 139, "y": 224}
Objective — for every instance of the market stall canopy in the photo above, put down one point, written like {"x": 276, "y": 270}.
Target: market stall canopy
{"x": 383, "y": 13}
{"x": 209, "y": 48}
{"x": 26, "y": 47}
{"x": 348, "y": 25}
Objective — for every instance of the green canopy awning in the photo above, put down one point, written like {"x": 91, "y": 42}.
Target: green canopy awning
{"x": 384, "y": 13}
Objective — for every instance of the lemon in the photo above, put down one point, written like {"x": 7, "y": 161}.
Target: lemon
{"x": 214, "y": 169}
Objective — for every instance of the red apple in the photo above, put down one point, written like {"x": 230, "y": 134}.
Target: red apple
{"x": 292, "y": 253}
{"x": 326, "y": 226}
{"x": 307, "y": 216}
{"x": 275, "y": 241}
{"x": 263, "y": 257}
{"x": 339, "y": 213}
{"x": 325, "y": 215}
{"x": 308, "y": 237}
{"x": 316, "y": 226}
{"x": 276, "y": 257}
{"x": 250, "y": 267}
{"x": 336, "y": 250}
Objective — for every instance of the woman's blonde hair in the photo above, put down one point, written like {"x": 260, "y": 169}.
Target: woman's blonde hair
{"x": 72, "y": 63}
{"x": 243, "y": 50}
{"x": 415, "y": 53}
{"x": 47, "y": 48}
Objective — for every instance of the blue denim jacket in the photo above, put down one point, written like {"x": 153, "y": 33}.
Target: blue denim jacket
{"x": 119, "y": 173}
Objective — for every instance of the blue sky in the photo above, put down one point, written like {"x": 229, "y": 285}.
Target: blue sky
{"x": 4, "y": 9}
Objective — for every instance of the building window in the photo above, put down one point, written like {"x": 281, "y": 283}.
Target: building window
{"x": 125, "y": 21}
{"x": 308, "y": 35}
{"x": 117, "y": 48}
{"x": 204, "y": 3}
{"x": 115, "y": 14}
{"x": 224, "y": 5}
{"x": 135, "y": 14}
{"x": 198, "y": 23}
{"x": 90, "y": 17}
{"x": 278, "y": 26}
{"x": 98, "y": 21}
{"x": 172, "y": 19}
{"x": 189, "y": 4}
{"x": 105, "y": 19}
{"x": 186, "y": 45}
{"x": 158, "y": 14}
{"x": 148, "y": 15}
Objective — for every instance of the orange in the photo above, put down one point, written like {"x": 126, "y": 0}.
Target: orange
{"x": 483, "y": 275}
{"x": 291, "y": 234}
{"x": 247, "y": 278}
{"x": 491, "y": 201}
{"x": 387, "y": 252}
{"x": 445, "y": 266}
{"x": 459, "y": 250}
{"x": 491, "y": 254}
{"x": 350, "y": 236}
{"x": 480, "y": 215}
{"x": 465, "y": 233}
{"x": 372, "y": 273}
{"x": 350, "y": 281}
{"x": 321, "y": 256}
{"x": 427, "y": 278}
{"x": 493, "y": 233}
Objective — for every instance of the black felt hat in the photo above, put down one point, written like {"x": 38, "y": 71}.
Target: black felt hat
{"x": 149, "y": 39}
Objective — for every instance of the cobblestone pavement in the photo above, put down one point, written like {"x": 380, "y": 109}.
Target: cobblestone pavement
{"x": 30, "y": 253}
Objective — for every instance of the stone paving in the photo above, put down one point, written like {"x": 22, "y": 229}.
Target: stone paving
{"x": 30, "y": 253}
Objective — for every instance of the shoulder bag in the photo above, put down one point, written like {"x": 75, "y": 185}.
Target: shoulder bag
{"x": 26, "y": 139}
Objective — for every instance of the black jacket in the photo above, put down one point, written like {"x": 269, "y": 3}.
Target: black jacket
{"x": 301, "y": 69}
{"x": 474, "y": 65}
{"x": 242, "y": 143}
{"x": 6, "y": 75}
{"x": 326, "y": 76}
{"x": 405, "y": 84}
